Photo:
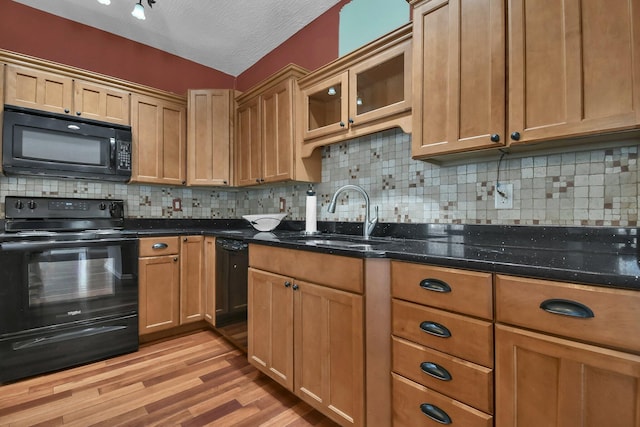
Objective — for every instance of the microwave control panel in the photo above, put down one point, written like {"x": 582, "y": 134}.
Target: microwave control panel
{"x": 124, "y": 155}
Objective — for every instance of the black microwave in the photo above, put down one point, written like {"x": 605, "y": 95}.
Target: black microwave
{"x": 40, "y": 143}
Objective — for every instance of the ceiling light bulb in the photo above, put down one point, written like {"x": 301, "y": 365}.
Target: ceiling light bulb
{"x": 138, "y": 10}
{"x": 105, "y": 2}
{"x": 331, "y": 91}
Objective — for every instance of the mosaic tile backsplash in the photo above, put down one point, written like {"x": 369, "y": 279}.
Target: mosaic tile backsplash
{"x": 597, "y": 188}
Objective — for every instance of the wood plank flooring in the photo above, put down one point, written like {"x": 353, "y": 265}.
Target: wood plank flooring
{"x": 194, "y": 380}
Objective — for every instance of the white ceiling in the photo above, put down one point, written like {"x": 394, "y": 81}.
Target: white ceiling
{"x": 228, "y": 35}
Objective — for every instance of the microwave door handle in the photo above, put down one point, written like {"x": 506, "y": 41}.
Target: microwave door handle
{"x": 112, "y": 141}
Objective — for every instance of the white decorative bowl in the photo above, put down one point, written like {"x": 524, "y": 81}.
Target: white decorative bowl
{"x": 264, "y": 222}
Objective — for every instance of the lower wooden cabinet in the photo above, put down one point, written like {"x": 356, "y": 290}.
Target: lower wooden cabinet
{"x": 209, "y": 280}
{"x": 159, "y": 284}
{"x": 191, "y": 279}
{"x": 307, "y": 336}
{"x": 547, "y": 381}
{"x": 170, "y": 282}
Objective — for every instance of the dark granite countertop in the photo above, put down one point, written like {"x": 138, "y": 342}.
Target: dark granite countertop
{"x": 603, "y": 256}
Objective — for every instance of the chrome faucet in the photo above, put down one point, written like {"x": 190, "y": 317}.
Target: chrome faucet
{"x": 369, "y": 223}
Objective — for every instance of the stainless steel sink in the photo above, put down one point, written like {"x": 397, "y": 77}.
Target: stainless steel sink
{"x": 340, "y": 242}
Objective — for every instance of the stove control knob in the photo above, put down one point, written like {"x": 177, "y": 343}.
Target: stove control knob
{"x": 19, "y": 204}
{"x": 32, "y": 204}
{"x": 102, "y": 206}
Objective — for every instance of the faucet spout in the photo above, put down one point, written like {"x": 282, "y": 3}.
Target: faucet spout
{"x": 369, "y": 223}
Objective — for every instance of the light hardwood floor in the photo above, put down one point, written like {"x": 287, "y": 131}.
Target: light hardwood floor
{"x": 194, "y": 380}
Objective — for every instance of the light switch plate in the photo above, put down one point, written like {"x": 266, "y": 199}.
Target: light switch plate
{"x": 504, "y": 196}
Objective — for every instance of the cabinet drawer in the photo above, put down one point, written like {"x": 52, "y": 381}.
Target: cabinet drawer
{"x": 463, "y": 291}
{"x": 156, "y": 246}
{"x": 614, "y": 321}
{"x": 456, "y": 378}
{"x": 469, "y": 338}
{"x": 411, "y": 399}
{"x": 346, "y": 273}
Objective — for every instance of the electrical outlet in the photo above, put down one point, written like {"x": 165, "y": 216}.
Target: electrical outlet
{"x": 283, "y": 204}
{"x": 504, "y": 196}
{"x": 177, "y": 205}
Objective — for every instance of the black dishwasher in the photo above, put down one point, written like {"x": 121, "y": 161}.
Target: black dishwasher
{"x": 232, "y": 262}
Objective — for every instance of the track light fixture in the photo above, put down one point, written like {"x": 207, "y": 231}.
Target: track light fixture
{"x": 138, "y": 9}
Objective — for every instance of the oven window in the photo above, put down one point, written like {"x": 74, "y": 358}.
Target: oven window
{"x": 51, "y": 146}
{"x": 64, "y": 275}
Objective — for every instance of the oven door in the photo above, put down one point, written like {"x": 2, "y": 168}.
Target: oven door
{"x": 53, "y": 283}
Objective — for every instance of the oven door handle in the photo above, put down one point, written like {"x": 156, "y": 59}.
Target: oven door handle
{"x": 62, "y": 244}
{"x": 65, "y": 336}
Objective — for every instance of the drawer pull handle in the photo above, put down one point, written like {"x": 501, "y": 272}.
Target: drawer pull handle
{"x": 159, "y": 246}
{"x": 565, "y": 307}
{"x": 436, "y": 329}
{"x": 435, "y": 285}
{"x": 435, "y": 413}
{"x": 436, "y": 371}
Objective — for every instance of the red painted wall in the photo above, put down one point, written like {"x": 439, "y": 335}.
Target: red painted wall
{"x": 312, "y": 47}
{"x": 32, "y": 32}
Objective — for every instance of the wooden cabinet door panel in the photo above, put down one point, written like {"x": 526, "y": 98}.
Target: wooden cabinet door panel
{"x": 37, "y": 89}
{"x": 459, "y": 66}
{"x": 191, "y": 279}
{"x": 277, "y": 132}
{"x": 326, "y": 107}
{"x": 209, "y": 137}
{"x": 574, "y": 67}
{"x": 159, "y": 293}
{"x": 159, "y": 140}
{"x": 547, "y": 381}
{"x": 380, "y": 86}
{"x": 98, "y": 102}
{"x": 329, "y": 351}
{"x": 249, "y": 144}
{"x": 270, "y": 325}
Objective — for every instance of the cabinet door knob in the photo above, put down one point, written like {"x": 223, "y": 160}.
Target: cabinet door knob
{"x": 184, "y": 182}
{"x": 495, "y": 137}
{"x": 342, "y": 124}
{"x": 287, "y": 284}
{"x": 66, "y": 110}
{"x": 436, "y": 329}
{"x": 184, "y": 239}
{"x": 435, "y": 413}
{"x": 224, "y": 182}
{"x": 295, "y": 287}
{"x": 351, "y": 121}
{"x": 258, "y": 180}
{"x": 175, "y": 259}
{"x": 78, "y": 113}
{"x": 515, "y": 136}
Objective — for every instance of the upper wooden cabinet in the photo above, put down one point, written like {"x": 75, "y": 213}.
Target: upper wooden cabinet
{"x": 265, "y": 149}
{"x": 58, "y": 93}
{"x": 210, "y": 137}
{"x": 159, "y": 140}
{"x": 363, "y": 92}
{"x": 574, "y": 68}
{"x": 459, "y": 76}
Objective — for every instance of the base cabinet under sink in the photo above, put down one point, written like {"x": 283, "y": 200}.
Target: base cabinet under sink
{"x": 311, "y": 335}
